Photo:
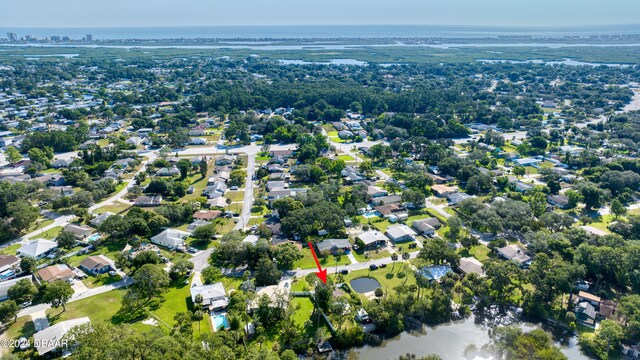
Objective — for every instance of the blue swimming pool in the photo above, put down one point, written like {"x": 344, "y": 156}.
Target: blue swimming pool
{"x": 94, "y": 237}
{"x": 220, "y": 321}
{"x": 370, "y": 214}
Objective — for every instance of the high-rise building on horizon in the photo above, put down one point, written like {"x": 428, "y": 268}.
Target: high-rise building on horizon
{"x": 89, "y": 37}
{"x": 12, "y": 36}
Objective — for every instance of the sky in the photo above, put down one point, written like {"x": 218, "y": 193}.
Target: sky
{"x": 153, "y": 13}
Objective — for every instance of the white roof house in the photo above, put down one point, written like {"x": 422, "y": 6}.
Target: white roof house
{"x": 6, "y": 285}
{"x": 372, "y": 237}
{"x": 98, "y": 220}
{"x": 38, "y": 248}
{"x": 214, "y": 296}
{"x": 170, "y": 238}
{"x": 50, "y": 338}
{"x": 400, "y": 232}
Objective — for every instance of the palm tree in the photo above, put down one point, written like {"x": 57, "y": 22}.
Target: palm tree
{"x": 198, "y": 315}
{"x": 394, "y": 257}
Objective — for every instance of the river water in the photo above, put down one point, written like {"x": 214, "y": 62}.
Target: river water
{"x": 450, "y": 341}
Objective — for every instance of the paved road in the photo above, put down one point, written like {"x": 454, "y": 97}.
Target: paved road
{"x": 61, "y": 220}
{"x": 201, "y": 260}
{"x": 436, "y": 208}
{"x": 243, "y": 222}
{"x": 350, "y": 267}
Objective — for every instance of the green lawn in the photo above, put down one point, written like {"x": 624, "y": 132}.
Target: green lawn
{"x": 99, "y": 308}
{"x": 49, "y": 234}
{"x": 373, "y": 255}
{"x": 303, "y": 313}
{"x": 11, "y": 249}
{"x": 346, "y": 158}
{"x": 256, "y": 221}
{"x": 178, "y": 299}
{"x": 307, "y": 261}
{"x": 235, "y": 195}
{"x": 388, "y": 277}
{"x": 117, "y": 208}
{"x": 40, "y": 223}
{"x": 262, "y": 159}
{"x": 480, "y": 252}
{"x": 199, "y": 183}
{"x": 22, "y": 327}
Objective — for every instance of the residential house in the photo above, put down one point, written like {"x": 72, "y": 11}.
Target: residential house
{"x": 98, "y": 220}
{"x": 37, "y": 249}
{"x": 390, "y": 199}
{"x": 332, "y": 245}
{"x": 9, "y": 266}
{"x": 50, "y": 339}
{"x": 400, "y": 233}
{"x": 372, "y": 239}
{"x": 214, "y": 296}
{"x": 522, "y": 187}
{"x": 585, "y": 313}
{"x": 276, "y": 185}
{"x": 471, "y": 265}
{"x": 172, "y": 171}
{"x": 97, "y": 265}
{"x": 278, "y": 194}
{"x": 218, "y": 202}
{"x": 58, "y": 272}
{"x": 207, "y": 214}
{"x": 198, "y": 141}
{"x": 457, "y": 198}
{"x": 196, "y": 224}
{"x": 390, "y": 209}
{"x": 80, "y": 232}
{"x": 6, "y": 285}
{"x": 376, "y": 192}
{"x": 443, "y": 190}
{"x": 61, "y": 163}
{"x": 225, "y": 160}
{"x": 251, "y": 239}
{"x": 170, "y": 238}
{"x": 559, "y": 201}
{"x": 426, "y": 226}
{"x": 516, "y": 254}
{"x": 148, "y": 201}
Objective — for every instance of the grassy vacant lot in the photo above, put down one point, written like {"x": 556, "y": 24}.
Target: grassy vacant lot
{"x": 117, "y": 208}
{"x": 346, "y": 158}
{"x": 307, "y": 261}
{"x": 389, "y": 277}
{"x": 49, "y": 234}
{"x": 480, "y": 252}
{"x": 40, "y": 224}
{"x": 99, "y": 308}
{"x": 235, "y": 195}
{"x": 373, "y": 255}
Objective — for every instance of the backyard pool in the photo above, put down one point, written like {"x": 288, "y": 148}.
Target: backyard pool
{"x": 370, "y": 214}
{"x": 219, "y": 320}
{"x": 94, "y": 237}
{"x": 364, "y": 284}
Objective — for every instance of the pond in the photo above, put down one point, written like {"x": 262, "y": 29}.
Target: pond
{"x": 364, "y": 284}
{"x": 450, "y": 340}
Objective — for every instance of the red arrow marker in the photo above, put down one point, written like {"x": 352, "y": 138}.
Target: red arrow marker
{"x": 322, "y": 273}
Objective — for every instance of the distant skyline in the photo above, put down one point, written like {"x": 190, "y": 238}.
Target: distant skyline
{"x": 174, "y": 13}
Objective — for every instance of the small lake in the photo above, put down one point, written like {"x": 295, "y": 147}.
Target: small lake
{"x": 364, "y": 284}
{"x": 450, "y": 340}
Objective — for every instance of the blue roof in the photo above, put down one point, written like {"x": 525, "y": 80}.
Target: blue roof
{"x": 435, "y": 272}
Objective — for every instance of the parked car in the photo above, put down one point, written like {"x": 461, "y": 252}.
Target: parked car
{"x": 344, "y": 272}
{"x": 373, "y": 267}
{"x": 25, "y": 304}
{"x": 112, "y": 273}
{"x": 383, "y": 265}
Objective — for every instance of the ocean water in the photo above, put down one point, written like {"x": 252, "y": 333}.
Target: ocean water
{"x": 318, "y": 31}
